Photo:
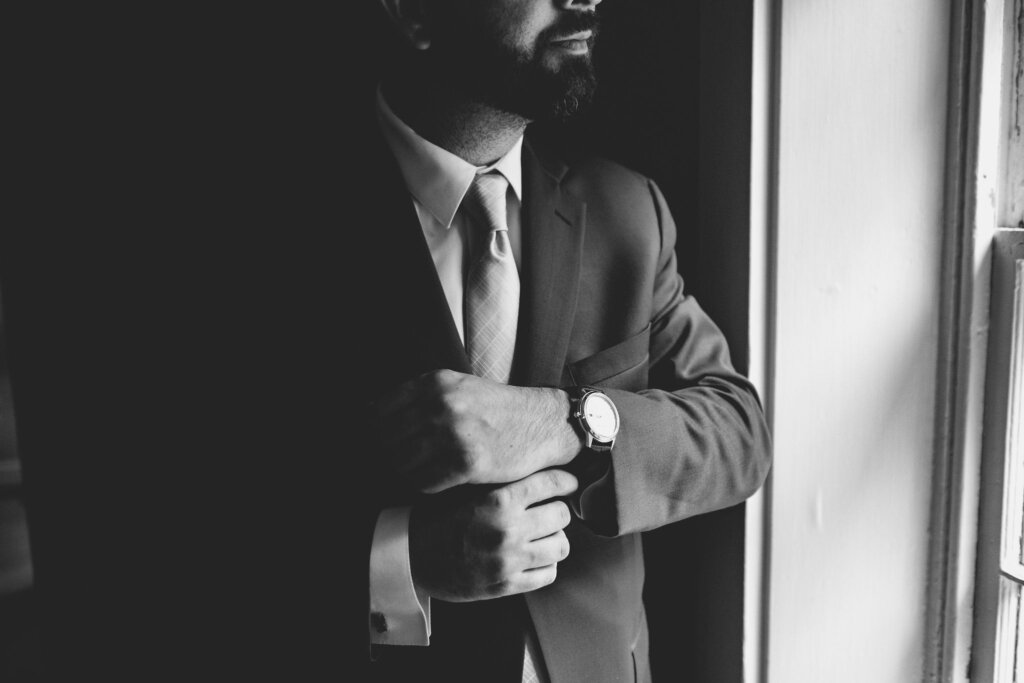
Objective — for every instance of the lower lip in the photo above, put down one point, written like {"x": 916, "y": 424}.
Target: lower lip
{"x": 576, "y": 47}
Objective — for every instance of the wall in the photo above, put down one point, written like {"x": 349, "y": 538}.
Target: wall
{"x": 861, "y": 127}
{"x": 16, "y": 598}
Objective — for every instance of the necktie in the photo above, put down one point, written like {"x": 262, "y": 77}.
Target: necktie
{"x": 492, "y": 288}
{"x": 492, "y": 306}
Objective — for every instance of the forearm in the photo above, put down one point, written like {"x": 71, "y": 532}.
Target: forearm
{"x": 678, "y": 454}
{"x": 694, "y": 439}
{"x": 448, "y": 429}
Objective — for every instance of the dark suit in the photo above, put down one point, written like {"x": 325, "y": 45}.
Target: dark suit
{"x": 603, "y": 305}
{"x": 194, "y": 329}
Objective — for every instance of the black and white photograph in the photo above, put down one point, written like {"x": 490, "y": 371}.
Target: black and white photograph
{"x": 514, "y": 341}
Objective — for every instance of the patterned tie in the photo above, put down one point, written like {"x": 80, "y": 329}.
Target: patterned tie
{"x": 492, "y": 289}
{"x": 492, "y": 308}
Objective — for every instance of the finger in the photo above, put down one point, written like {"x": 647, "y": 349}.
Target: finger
{"x": 543, "y": 485}
{"x": 532, "y": 579}
{"x": 544, "y": 520}
{"x": 547, "y": 550}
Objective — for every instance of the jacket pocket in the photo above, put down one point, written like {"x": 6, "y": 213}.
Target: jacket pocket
{"x": 622, "y": 366}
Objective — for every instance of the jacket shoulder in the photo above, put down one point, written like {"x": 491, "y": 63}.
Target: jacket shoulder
{"x": 618, "y": 198}
{"x": 599, "y": 172}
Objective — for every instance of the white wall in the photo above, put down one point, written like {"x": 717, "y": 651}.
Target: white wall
{"x": 859, "y": 219}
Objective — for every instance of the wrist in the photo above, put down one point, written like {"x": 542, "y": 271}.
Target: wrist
{"x": 569, "y": 442}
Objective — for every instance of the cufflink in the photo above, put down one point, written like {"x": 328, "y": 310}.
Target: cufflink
{"x": 378, "y": 622}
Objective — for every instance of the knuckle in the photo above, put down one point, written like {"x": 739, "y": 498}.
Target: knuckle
{"x": 498, "y": 589}
{"x": 552, "y": 480}
{"x": 470, "y": 459}
{"x": 493, "y": 538}
{"x": 500, "y": 498}
{"x": 544, "y": 577}
{"x": 502, "y": 537}
{"x": 525, "y": 489}
{"x": 446, "y": 382}
{"x": 431, "y": 382}
{"x": 564, "y": 517}
{"x": 551, "y": 575}
{"x": 501, "y": 567}
{"x": 454, "y": 405}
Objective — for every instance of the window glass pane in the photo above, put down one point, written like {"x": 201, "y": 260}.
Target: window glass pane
{"x": 1010, "y": 645}
{"x": 1013, "y": 496}
{"x": 1011, "y": 194}
{"x": 1010, "y": 627}
{"x": 1018, "y": 658}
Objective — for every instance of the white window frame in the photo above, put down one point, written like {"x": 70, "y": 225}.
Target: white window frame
{"x": 968, "y": 505}
{"x": 968, "y": 520}
{"x": 999, "y": 594}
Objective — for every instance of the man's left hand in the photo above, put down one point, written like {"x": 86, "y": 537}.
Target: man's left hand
{"x": 446, "y": 428}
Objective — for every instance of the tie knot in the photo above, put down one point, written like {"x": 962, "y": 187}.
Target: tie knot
{"x": 487, "y": 194}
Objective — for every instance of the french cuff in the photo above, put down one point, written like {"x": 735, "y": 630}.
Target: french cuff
{"x": 593, "y": 503}
{"x": 399, "y": 610}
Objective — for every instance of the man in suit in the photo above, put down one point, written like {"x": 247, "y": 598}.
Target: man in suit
{"x": 191, "y": 372}
{"x": 544, "y": 389}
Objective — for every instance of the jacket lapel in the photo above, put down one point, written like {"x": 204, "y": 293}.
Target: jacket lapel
{"x": 554, "y": 223}
{"x": 414, "y": 328}
{"x": 553, "y": 226}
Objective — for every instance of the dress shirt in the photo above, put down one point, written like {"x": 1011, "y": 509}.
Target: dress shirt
{"x": 437, "y": 181}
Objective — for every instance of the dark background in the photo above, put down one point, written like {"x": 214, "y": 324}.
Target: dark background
{"x": 157, "y": 151}
{"x": 675, "y": 105}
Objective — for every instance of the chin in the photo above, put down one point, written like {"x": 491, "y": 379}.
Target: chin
{"x": 574, "y": 94}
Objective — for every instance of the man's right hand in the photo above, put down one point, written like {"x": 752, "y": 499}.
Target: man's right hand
{"x": 478, "y": 544}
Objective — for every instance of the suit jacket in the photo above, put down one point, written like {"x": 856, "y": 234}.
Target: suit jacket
{"x": 194, "y": 329}
{"x": 602, "y": 304}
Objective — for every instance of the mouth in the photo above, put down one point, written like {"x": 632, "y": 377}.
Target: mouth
{"x": 576, "y": 43}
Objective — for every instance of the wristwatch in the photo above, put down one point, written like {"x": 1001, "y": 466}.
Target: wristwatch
{"x": 594, "y": 416}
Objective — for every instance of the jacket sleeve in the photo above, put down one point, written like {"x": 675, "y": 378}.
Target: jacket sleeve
{"x": 696, "y": 439}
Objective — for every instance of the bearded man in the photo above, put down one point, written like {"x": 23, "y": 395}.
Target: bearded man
{"x": 544, "y": 389}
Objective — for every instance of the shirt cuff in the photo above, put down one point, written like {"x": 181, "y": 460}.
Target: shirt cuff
{"x": 399, "y": 611}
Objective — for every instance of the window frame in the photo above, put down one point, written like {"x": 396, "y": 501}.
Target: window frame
{"x": 964, "y": 569}
{"x": 999, "y": 575}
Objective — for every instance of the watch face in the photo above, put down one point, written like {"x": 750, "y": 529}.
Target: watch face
{"x": 601, "y": 416}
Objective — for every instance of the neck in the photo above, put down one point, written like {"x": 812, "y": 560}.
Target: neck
{"x": 467, "y": 128}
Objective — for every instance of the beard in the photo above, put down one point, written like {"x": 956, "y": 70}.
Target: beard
{"x": 515, "y": 80}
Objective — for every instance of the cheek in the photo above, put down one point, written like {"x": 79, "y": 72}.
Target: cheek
{"x": 519, "y": 23}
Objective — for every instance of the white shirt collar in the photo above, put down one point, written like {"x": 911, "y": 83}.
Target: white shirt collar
{"x": 437, "y": 178}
